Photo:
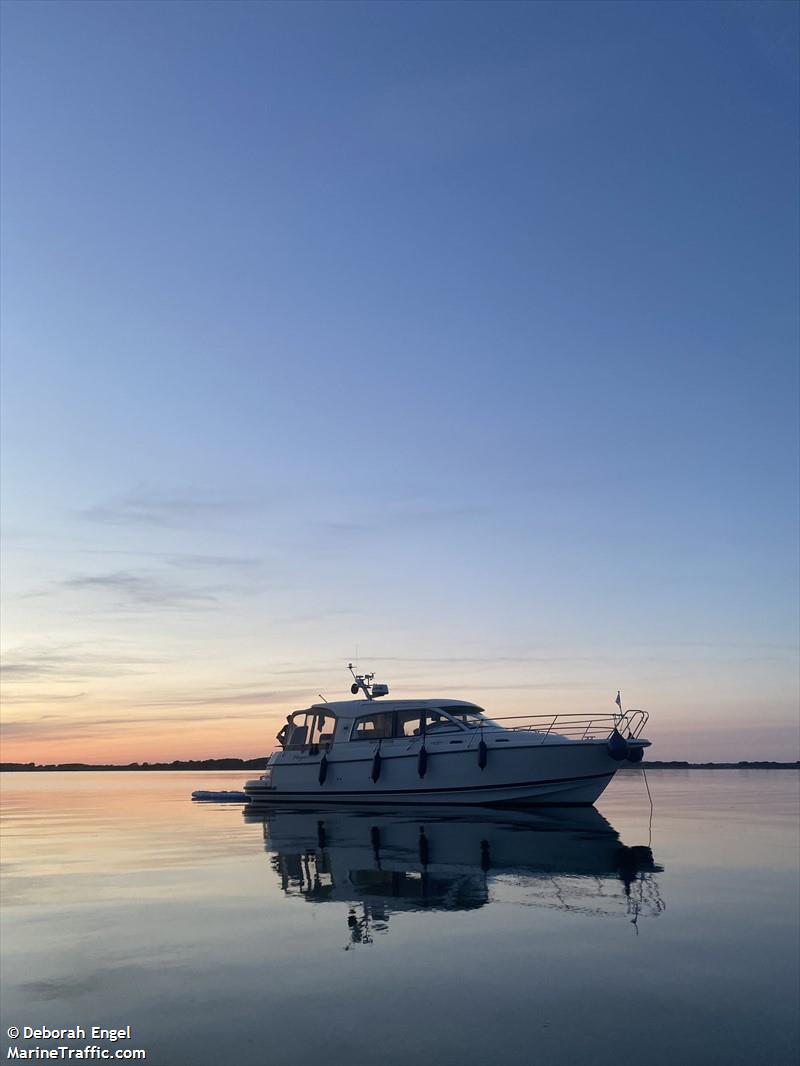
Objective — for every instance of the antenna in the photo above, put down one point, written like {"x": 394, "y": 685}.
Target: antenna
{"x": 366, "y": 683}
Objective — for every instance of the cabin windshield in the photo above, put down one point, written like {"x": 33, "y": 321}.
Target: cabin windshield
{"x": 469, "y": 717}
{"x": 439, "y": 722}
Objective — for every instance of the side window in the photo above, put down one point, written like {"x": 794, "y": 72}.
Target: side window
{"x": 373, "y": 727}
{"x": 409, "y": 723}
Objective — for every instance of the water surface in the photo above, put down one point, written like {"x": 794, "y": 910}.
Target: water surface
{"x": 466, "y": 936}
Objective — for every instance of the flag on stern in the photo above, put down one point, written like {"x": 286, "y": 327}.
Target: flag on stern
{"x": 618, "y": 701}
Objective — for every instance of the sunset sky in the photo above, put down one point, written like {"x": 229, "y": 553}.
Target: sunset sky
{"x": 458, "y": 337}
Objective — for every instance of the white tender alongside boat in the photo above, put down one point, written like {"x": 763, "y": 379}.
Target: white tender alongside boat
{"x": 375, "y": 750}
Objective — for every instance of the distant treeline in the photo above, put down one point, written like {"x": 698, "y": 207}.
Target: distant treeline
{"x": 653, "y": 764}
{"x": 259, "y": 764}
{"x": 178, "y": 764}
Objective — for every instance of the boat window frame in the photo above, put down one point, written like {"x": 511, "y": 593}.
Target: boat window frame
{"x": 373, "y": 714}
{"x": 396, "y": 732}
{"x": 293, "y": 722}
{"x": 313, "y": 739}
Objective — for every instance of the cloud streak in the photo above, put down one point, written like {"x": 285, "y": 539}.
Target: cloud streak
{"x": 401, "y": 519}
{"x": 214, "y": 697}
{"x": 137, "y": 589}
{"x": 214, "y": 562}
{"x": 40, "y": 698}
{"x": 146, "y": 507}
{"x": 69, "y": 662}
{"x": 52, "y": 727}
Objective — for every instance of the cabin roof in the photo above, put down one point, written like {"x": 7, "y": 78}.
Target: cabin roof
{"x": 355, "y": 708}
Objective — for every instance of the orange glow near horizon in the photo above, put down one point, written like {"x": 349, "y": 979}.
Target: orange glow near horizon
{"x": 137, "y": 719}
{"x": 253, "y": 736}
{"x": 241, "y": 740}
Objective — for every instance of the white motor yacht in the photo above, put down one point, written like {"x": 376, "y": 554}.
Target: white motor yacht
{"x": 375, "y": 750}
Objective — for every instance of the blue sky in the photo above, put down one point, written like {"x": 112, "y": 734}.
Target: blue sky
{"x": 461, "y": 335}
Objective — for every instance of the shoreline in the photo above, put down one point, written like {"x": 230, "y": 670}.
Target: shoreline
{"x": 260, "y": 764}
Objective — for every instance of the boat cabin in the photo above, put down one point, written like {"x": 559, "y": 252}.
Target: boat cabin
{"x": 322, "y": 725}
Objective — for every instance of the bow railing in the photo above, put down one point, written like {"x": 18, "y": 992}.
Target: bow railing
{"x": 578, "y": 726}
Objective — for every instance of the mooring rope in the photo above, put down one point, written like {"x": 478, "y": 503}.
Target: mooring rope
{"x": 650, "y": 823}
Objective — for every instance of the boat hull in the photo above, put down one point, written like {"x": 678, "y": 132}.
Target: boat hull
{"x": 528, "y": 773}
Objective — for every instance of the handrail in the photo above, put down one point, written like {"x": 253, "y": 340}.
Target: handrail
{"x": 581, "y": 726}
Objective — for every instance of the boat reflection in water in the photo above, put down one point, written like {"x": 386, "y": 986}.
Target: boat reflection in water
{"x": 388, "y": 860}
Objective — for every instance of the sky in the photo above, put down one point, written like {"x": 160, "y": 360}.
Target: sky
{"x": 460, "y": 339}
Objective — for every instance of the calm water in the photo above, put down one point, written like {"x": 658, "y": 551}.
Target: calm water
{"x": 442, "y": 937}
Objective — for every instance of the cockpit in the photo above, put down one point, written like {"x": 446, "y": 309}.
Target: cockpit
{"x": 307, "y": 728}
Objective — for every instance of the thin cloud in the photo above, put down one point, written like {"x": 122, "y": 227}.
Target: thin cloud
{"x": 744, "y": 645}
{"x": 69, "y": 662}
{"x": 129, "y": 588}
{"x": 398, "y": 520}
{"x": 48, "y": 697}
{"x": 180, "y": 560}
{"x": 221, "y": 562}
{"x": 214, "y": 697}
{"x": 63, "y": 727}
{"x": 150, "y": 508}
{"x": 481, "y": 660}
{"x": 316, "y": 616}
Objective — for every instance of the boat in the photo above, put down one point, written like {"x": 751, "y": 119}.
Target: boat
{"x": 392, "y": 860}
{"x": 375, "y": 750}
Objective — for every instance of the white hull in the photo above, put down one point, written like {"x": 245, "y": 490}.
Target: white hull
{"x": 520, "y": 769}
